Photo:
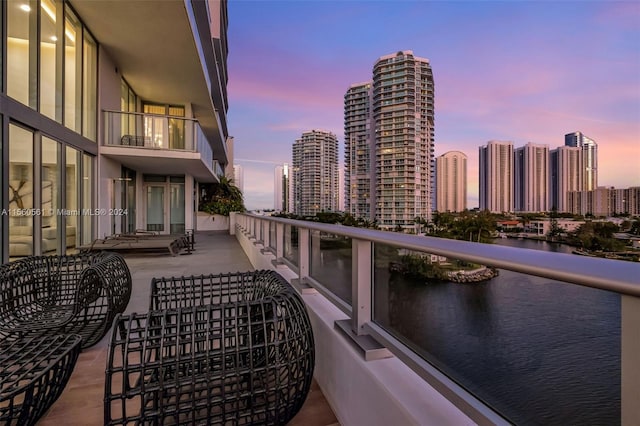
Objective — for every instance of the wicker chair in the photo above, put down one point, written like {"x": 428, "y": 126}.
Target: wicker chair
{"x": 33, "y": 373}
{"x": 218, "y": 349}
{"x": 76, "y": 294}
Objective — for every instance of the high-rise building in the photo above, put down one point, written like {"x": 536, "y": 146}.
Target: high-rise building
{"x": 96, "y": 120}
{"x": 389, "y": 143}
{"x": 589, "y": 158}
{"x": 451, "y": 182}
{"x": 565, "y": 163}
{"x": 403, "y": 112}
{"x": 531, "y": 178}
{"x": 281, "y": 189}
{"x": 315, "y": 173}
{"x": 359, "y": 151}
{"x": 496, "y": 177}
{"x": 238, "y": 177}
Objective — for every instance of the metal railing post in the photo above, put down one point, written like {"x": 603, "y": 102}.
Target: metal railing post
{"x": 304, "y": 253}
{"x": 361, "y": 284}
{"x": 630, "y": 360}
{"x": 266, "y": 236}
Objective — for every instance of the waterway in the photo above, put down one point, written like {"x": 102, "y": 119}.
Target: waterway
{"x": 540, "y": 352}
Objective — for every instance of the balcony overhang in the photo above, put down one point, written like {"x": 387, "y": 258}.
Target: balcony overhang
{"x": 154, "y": 47}
{"x": 161, "y": 162}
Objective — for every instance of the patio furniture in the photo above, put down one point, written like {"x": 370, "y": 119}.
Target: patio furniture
{"x": 74, "y": 294}
{"x": 222, "y": 349}
{"x": 145, "y": 241}
{"x": 33, "y": 374}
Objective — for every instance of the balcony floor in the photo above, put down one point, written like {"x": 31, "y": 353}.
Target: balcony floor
{"x": 81, "y": 402}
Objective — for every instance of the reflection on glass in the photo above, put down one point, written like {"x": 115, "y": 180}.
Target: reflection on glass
{"x": 89, "y": 85}
{"x": 176, "y": 211}
{"x": 72, "y": 71}
{"x": 155, "y": 208}
{"x": 291, "y": 244}
{"x": 536, "y": 350}
{"x": 20, "y": 192}
{"x": 272, "y": 235}
{"x": 87, "y": 198}
{"x": 331, "y": 263}
{"x": 51, "y": 219}
{"x": 50, "y": 61}
{"x": 176, "y": 128}
{"x": 22, "y": 51}
{"x": 71, "y": 204}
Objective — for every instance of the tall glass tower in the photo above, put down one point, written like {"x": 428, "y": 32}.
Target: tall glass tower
{"x": 589, "y": 158}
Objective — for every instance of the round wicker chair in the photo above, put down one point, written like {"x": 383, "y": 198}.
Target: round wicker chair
{"x": 216, "y": 349}
{"x": 75, "y": 294}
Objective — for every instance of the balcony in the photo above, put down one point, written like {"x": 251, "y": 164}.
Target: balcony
{"x": 81, "y": 403}
{"x": 553, "y": 339}
{"x": 166, "y": 144}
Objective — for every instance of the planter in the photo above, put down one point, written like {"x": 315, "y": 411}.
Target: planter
{"x": 208, "y": 222}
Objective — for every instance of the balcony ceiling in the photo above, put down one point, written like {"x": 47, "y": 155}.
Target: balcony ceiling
{"x": 163, "y": 162}
{"x": 153, "y": 46}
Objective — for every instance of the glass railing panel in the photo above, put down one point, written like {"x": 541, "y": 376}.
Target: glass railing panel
{"x": 272, "y": 236}
{"x": 537, "y": 351}
{"x": 331, "y": 262}
{"x": 291, "y": 252}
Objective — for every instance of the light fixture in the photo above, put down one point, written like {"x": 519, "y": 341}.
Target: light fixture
{"x": 25, "y": 7}
{"x": 54, "y": 38}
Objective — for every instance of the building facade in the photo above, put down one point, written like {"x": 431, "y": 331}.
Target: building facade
{"x": 531, "y": 178}
{"x": 101, "y": 133}
{"x": 359, "y": 152}
{"x": 496, "y": 177}
{"x": 605, "y": 201}
{"x": 315, "y": 173}
{"x": 589, "y": 165}
{"x": 403, "y": 112}
{"x": 238, "y": 177}
{"x": 451, "y": 182}
{"x": 281, "y": 189}
{"x": 565, "y": 163}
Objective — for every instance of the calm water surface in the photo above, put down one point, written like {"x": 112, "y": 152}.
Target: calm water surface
{"x": 538, "y": 351}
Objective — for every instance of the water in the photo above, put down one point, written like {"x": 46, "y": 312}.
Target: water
{"x": 538, "y": 351}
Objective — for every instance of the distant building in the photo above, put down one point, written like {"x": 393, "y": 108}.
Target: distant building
{"x": 315, "y": 173}
{"x": 389, "y": 139}
{"x": 496, "y": 177}
{"x": 606, "y": 201}
{"x": 531, "y": 178}
{"x": 403, "y": 112}
{"x": 359, "y": 151}
{"x": 238, "y": 177}
{"x": 451, "y": 182}
{"x": 589, "y": 158}
{"x": 565, "y": 163}
{"x": 281, "y": 189}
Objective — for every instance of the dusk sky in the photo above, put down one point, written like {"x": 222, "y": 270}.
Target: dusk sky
{"x": 522, "y": 71}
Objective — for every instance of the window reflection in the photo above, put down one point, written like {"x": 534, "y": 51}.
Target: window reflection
{"x": 20, "y": 192}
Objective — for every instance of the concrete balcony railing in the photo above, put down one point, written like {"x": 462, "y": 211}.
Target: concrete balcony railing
{"x": 161, "y": 134}
{"x": 554, "y": 339}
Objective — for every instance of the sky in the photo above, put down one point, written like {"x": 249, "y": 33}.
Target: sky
{"x": 520, "y": 71}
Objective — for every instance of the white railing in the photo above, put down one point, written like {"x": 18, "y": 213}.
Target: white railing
{"x": 297, "y": 245}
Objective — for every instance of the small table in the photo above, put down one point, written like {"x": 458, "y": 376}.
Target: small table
{"x": 33, "y": 374}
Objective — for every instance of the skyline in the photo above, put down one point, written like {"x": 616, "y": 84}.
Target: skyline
{"x": 290, "y": 64}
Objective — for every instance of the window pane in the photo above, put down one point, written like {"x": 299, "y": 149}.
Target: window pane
{"x": 87, "y": 198}
{"x": 72, "y": 173}
{"x": 73, "y": 71}
{"x": 50, "y": 194}
{"x": 50, "y": 60}
{"x": 89, "y": 77}
{"x": 22, "y": 51}
{"x": 20, "y": 192}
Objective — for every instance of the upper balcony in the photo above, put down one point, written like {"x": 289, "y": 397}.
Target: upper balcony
{"x": 168, "y": 144}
